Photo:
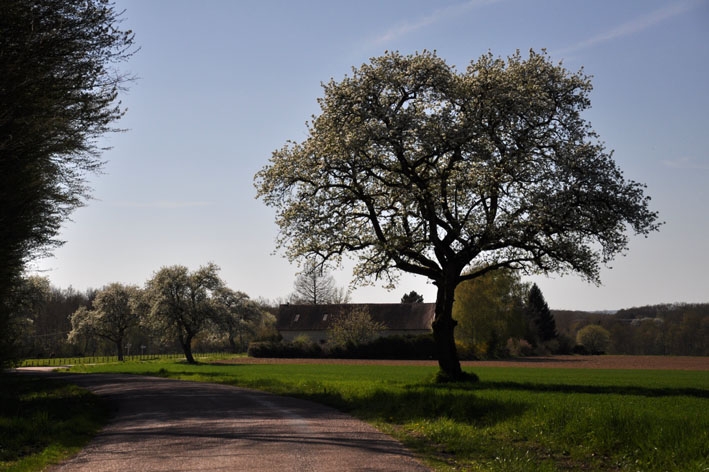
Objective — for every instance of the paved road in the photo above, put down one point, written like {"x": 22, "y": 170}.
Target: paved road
{"x": 170, "y": 425}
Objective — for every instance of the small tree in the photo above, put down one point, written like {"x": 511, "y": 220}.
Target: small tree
{"x": 115, "y": 312}
{"x": 489, "y": 311}
{"x": 594, "y": 338}
{"x": 180, "y": 303}
{"x": 355, "y": 326}
{"x": 237, "y": 317}
{"x": 412, "y": 297}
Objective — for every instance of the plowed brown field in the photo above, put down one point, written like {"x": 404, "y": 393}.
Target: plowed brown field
{"x": 573, "y": 362}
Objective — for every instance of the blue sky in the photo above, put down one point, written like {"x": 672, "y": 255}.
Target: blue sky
{"x": 222, "y": 84}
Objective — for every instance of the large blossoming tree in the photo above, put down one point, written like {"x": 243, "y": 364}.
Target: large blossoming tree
{"x": 413, "y": 166}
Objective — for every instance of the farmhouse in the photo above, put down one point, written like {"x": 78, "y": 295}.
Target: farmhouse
{"x": 314, "y": 320}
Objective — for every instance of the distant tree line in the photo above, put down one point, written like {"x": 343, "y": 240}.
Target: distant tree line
{"x": 680, "y": 329}
{"x": 176, "y": 310}
{"x": 179, "y": 310}
{"x": 498, "y": 316}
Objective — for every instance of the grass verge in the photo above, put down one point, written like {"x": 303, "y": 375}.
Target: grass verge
{"x": 514, "y": 419}
{"x": 43, "y": 422}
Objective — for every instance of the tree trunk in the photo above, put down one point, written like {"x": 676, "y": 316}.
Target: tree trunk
{"x": 443, "y": 334}
{"x": 186, "y": 343}
{"x": 119, "y": 347}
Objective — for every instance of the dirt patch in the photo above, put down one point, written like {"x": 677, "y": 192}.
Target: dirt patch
{"x": 572, "y": 362}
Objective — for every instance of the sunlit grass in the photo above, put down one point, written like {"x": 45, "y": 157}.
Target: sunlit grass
{"x": 514, "y": 419}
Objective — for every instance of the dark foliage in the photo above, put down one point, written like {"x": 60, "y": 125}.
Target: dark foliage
{"x": 385, "y": 347}
{"x": 285, "y": 349}
{"x": 540, "y": 317}
{"x": 412, "y": 297}
{"x": 58, "y": 91}
{"x": 389, "y": 347}
{"x": 38, "y": 413}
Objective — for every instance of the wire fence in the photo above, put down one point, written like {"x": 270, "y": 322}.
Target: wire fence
{"x": 62, "y": 361}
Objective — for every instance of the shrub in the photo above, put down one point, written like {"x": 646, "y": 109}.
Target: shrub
{"x": 564, "y": 345}
{"x": 303, "y": 340}
{"x": 284, "y": 349}
{"x": 519, "y": 347}
{"x": 594, "y": 338}
{"x": 390, "y": 347}
{"x": 466, "y": 351}
{"x": 580, "y": 350}
{"x": 354, "y": 327}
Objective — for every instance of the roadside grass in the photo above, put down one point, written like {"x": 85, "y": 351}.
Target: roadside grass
{"x": 43, "y": 422}
{"x": 514, "y": 419}
{"x": 65, "y": 361}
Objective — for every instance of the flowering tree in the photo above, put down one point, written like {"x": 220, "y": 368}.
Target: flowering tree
{"x": 355, "y": 326}
{"x": 115, "y": 312}
{"x": 181, "y": 304}
{"x": 412, "y": 166}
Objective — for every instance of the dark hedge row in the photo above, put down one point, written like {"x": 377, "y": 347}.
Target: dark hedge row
{"x": 391, "y": 347}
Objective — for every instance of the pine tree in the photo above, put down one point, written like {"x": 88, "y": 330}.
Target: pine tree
{"x": 541, "y": 320}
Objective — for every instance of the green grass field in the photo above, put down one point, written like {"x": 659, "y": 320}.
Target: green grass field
{"x": 514, "y": 419}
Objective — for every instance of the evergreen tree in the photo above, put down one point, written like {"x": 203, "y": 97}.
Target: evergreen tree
{"x": 541, "y": 321}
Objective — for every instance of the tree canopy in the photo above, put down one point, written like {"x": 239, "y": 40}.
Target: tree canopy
{"x": 115, "y": 312}
{"x": 412, "y": 297}
{"x": 594, "y": 338}
{"x": 489, "y": 311}
{"x": 353, "y": 327}
{"x": 235, "y": 317}
{"x": 314, "y": 285}
{"x": 58, "y": 94}
{"x": 181, "y": 304}
{"x": 413, "y": 166}
{"x": 542, "y": 323}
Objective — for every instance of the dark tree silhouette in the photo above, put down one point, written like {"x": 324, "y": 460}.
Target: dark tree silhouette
{"x": 412, "y": 297}
{"x": 58, "y": 94}
{"x": 540, "y": 317}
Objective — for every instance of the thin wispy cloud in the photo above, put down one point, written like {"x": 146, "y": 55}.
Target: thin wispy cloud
{"x": 442, "y": 14}
{"x": 686, "y": 163}
{"x": 636, "y": 25}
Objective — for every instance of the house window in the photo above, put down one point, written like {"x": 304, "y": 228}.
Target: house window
{"x": 324, "y": 317}
{"x": 297, "y": 317}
